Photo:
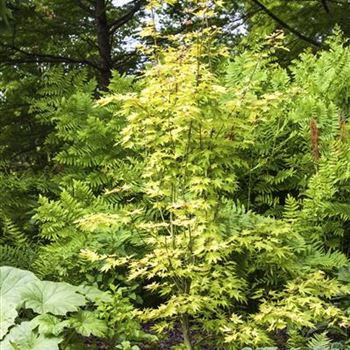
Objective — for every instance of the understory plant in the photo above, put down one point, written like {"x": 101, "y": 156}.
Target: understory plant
{"x": 91, "y": 174}
{"x": 214, "y": 190}
{"x": 38, "y": 314}
{"x": 235, "y": 276}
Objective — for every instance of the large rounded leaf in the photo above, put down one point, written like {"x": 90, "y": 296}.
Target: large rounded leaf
{"x": 86, "y": 323}
{"x": 50, "y": 324}
{"x": 22, "y": 337}
{"x": 56, "y": 298}
{"x": 12, "y": 282}
{"x": 94, "y": 294}
{"x": 8, "y": 314}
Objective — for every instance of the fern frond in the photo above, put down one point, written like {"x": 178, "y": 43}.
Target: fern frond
{"x": 291, "y": 208}
{"x": 319, "y": 342}
{"x": 12, "y": 233}
{"x": 21, "y": 257}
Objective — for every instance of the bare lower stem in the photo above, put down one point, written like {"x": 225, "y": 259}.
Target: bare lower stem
{"x": 186, "y": 332}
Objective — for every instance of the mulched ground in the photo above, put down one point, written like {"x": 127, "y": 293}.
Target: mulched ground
{"x": 171, "y": 338}
{"x": 174, "y": 337}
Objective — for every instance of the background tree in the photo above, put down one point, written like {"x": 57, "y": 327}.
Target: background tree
{"x": 36, "y": 37}
{"x": 306, "y": 23}
{"x": 96, "y": 34}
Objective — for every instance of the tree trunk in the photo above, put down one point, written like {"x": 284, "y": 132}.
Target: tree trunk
{"x": 104, "y": 44}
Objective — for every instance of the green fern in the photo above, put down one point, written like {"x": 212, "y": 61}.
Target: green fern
{"x": 21, "y": 257}
{"x": 319, "y": 342}
{"x": 12, "y": 233}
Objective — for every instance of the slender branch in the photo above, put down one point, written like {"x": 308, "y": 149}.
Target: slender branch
{"x": 286, "y": 25}
{"x": 37, "y": 57}
{"x": 11, "y": 108}
{"x": 325, "y": 6}
{"x": 339, "y": 2}
{"x": 125, "y": 18}
{"x": 38, "y": 60}
{"x": 85, "y": 7}
{"x": 90, "y": 42}
{"x": 124, "y": 57}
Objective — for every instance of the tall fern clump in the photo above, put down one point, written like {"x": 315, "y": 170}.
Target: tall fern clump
{"x": 234, "y": 275}
{"x": 90, "y": 174}
{"x": 301, "y": 138}
{"x": 326, "y": 204}
{"x": 87, "y": 169}
{"x": 24, "y": 170}
{"x": 295, "y": 116}
{"x": 276, "y": 157}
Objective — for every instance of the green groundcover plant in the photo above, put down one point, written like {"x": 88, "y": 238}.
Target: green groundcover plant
{"x": 37, "y": 314}
{"x": 48, "y": 315}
